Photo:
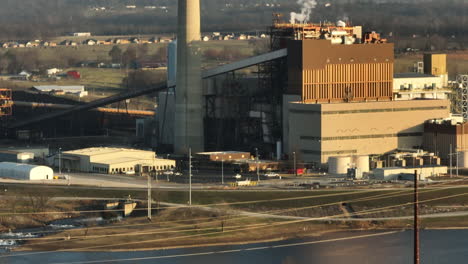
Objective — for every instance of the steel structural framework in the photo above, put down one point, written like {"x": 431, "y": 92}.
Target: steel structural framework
{"x": 462, "y": 82}
{"x": 5, "y": 102}
{"x": 278, "y": 54}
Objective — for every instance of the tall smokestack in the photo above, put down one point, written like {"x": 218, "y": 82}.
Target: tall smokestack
{"x": 189, "y": 115}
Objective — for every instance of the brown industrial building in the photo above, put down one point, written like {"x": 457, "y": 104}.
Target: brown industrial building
{"x": 323, "y": 72}
{"x": 331, "y": 95}
{"x": 339, "y": 101}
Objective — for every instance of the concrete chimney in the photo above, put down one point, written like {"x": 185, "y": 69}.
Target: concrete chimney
{"x": 189, "y": 98}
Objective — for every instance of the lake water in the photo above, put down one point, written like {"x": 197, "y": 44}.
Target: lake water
{"x": 437, "y": 247}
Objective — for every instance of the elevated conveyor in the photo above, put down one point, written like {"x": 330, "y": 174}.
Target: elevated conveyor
{"x": 242, "y": 64}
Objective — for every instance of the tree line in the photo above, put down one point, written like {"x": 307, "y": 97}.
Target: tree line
{"x": 29, "y": 19}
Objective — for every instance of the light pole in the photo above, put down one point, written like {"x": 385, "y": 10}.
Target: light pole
{"x": 258, "y": 169}
{"x": 222, "y": 170}
{"x": 450, "y": 162}
{"x": 295, "y": 169}
{"x": 149, "y": 197}
{"x": 190, "y": 176}
{"x": 60, "y": 160}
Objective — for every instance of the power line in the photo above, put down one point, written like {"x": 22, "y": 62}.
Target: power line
{"x": 235, "y": 250}
{"x": 255, "y": 227}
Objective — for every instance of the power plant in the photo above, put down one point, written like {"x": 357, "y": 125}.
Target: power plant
{"x": 322, "y": 91}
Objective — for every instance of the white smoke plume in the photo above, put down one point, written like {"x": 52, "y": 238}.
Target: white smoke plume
{"x": 306, "y": 11}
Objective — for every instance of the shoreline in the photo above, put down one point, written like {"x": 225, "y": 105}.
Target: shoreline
{"x": 305, "y": 236}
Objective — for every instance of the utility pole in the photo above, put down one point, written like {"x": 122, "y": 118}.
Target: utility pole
{"x": 60, "y": 160}
{"x": 258, "y": 169}
{"x": 222, "y": 170}
{"x": 456, "y": 168}
{"x": 295, "y": 169}
{"x": 190, "y": 176}
{"x": 149, "y": 197}
{"x": 450, "y": 162}
{"x": 416, "y": 222}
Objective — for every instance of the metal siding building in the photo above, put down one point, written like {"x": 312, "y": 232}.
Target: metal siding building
{"x": 323, "y": 72}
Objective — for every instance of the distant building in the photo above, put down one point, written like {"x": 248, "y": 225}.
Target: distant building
{"x": 74, "y": 74}
{"x": 68, "y": 43}
{"x": 90, "y": 42}
{"x": 82, "y": 34}
{"x": 134, "y": 40}
{"x": 53, "y": 71}
{"x": 24, "y": 74}
{"x": 78, "y": 89}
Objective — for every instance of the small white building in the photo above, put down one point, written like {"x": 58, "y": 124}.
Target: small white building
{"x": 112, "y": 161}
{"x": 26, "y": 172}
{"x": 82, "y": 34}
{"x": 407, "y": 86}
{"x": 405, "y": 173}
{"x": 53, "y": 71}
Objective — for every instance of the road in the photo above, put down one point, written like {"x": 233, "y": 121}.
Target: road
{"x": 208, "y": 181}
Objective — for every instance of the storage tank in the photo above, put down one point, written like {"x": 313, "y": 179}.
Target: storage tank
{"x": 338, "y": 165}
{"x": 463, "y": 159}
{"x": 362, "y": 163}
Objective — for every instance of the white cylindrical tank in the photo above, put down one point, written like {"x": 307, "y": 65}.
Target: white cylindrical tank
{"x": 336, "y": 40}
{"x": 463, "y": 159}
{"x": 338, "y": 165}
{"x": 278, "y": 150}
{"x": 362, "y": 163}
{"x": 20, "y": 171}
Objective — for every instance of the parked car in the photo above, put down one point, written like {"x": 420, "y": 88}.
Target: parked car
{"x": 178, "y": 174}
{"x": 238, "y": 176}
{"x": 271, "y": 174}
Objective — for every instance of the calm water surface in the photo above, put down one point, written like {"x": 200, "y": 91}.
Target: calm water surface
{"x": 437, "y": 247}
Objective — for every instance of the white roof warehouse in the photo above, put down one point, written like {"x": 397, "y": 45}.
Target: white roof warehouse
{"x": 112, "y": 160}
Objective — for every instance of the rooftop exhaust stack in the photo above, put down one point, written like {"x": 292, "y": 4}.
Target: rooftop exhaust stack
{"x": 189, "y": 115}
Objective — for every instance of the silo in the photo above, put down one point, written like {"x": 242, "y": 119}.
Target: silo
{"x": 362, "y": 163}
{"x": 339, "y": 165}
